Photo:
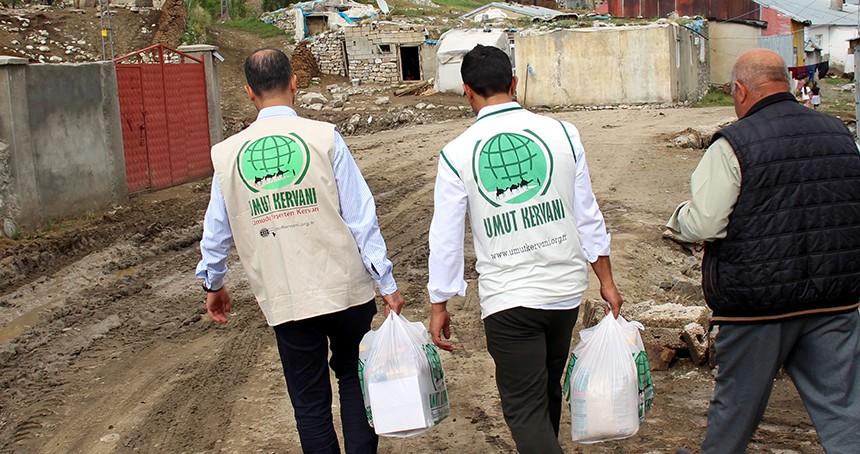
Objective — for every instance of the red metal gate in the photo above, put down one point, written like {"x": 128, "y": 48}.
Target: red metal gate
{"x": 165, "y": 118}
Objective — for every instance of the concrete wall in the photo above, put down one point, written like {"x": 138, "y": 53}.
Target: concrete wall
{"x": 834, "y": 43}
{"x": 61, "y": 128}
{"x": 728, "y": 41}
{"x": 613, "y": 65}
{"x": 694, "y": 72}
{"x": 429, "y": 66}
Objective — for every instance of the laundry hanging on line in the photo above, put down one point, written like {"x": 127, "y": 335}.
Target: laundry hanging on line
{"x": 802, "y": 72}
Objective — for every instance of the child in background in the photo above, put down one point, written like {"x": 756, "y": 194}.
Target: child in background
{"x": 806, "y": 95}
{"x": 816, "y": 96}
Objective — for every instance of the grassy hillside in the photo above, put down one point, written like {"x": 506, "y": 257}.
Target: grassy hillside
{"x": 446, "y": 7}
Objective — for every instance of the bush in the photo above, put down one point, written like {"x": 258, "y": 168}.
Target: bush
{"x": 256, "y": 26}
{"x": 201, "y": 13}
{"x": 238, "y": 9}
{"x": 716, "y": 97}
{"x": 271, "y": 5}
{"x": 198, "y": 19}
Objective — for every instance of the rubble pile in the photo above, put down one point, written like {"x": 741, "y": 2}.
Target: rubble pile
{"x": 676, "y": 326}
{"x": 40, "y": 45}
{"x": 697, "y": 139}
{"x": 365, "y": 121}
{"x": 360, "y": 110}
{"x": 45, "y": 34}
{"x": 670, "y": 329}
{"x": 337, "y": 13}
{"x": 282, "y": 18}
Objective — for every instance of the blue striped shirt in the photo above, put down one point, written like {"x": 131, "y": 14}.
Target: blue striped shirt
{"x": 357, "y": 208}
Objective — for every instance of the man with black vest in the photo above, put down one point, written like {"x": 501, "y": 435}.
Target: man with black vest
{"x": 288, "y": 192}
{"x": 776, "y": 199}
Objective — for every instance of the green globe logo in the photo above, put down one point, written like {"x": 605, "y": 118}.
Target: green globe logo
{"x": 511, "y": 168}
{"x": 273, "y": 162}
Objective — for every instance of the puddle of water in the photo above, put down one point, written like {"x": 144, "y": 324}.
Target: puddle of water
{"x": 22, "y": 323}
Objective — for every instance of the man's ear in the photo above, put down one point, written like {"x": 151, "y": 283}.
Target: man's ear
{"x": 741, "y": 92}
{"x": 294, "y": 83}
{"x": 251, "y": 96}
{"x": 513, "y": 91}
{"x": 470, "y": 94}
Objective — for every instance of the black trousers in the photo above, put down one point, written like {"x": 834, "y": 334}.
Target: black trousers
{"x": 530, "y": 348}
{"x": 303, "y": 346}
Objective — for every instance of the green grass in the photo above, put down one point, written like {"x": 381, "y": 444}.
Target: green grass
{"x": 256, "y": 26}
{"x": 467, "y": 5}
{"x": 418, "y": 12}
{"x": 446, "y": 7}
{"x": 835, "y": 101}
{"x": 43, "y": 231}
{"x": 715, "y": 98}
{"x": 835, "y": 81}
{"x": 842, "y": 108}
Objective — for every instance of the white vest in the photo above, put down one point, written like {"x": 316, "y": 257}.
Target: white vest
{"x": 282, "y": 202}
{"x": 518, "y": 169}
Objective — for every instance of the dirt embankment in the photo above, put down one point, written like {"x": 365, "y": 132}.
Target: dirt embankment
{"x": 106, "y": 348}
{"x": 53, "y": 35}
{"x": 171, "y": 24}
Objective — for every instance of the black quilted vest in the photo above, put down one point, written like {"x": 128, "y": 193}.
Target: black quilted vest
{"x": 793, "y": 240}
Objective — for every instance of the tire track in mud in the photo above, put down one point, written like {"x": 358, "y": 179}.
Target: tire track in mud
{"x": 196, "y": 406}
{"x": 113, "y": 308}
{"x": 45, "y": 251}
{"x": 402, "y": 186}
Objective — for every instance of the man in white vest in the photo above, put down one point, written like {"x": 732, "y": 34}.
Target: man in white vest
{"x": 536, "y": 225}
{"x": 290, "y": 195}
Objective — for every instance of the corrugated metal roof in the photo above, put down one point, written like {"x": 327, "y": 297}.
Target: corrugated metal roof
{"x": 815, "y": 12}
{"x": 533, "y": 11}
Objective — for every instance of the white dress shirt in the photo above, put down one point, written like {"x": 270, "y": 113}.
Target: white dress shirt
{"x": 446, "y": 260}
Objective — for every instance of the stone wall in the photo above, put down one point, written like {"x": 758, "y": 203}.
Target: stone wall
{"x": 372, "y": 50}
{"x": 328, "y": 51}
{"x": 284, "y": 18}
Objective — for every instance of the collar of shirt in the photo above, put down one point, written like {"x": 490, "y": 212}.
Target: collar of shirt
{"x": 498, "y": 108}
{"x": 276, "y": 111}
{"x": 772, "y": 99}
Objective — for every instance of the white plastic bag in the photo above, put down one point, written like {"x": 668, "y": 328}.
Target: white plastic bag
{"x": 643, "y": 367}
{"x": 603, "y": 383}
{"x": 402, "y": 380}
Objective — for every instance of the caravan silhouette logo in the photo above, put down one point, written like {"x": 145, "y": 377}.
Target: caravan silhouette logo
{"x": 273, "y": 162}
{"x": 512, "y": 168}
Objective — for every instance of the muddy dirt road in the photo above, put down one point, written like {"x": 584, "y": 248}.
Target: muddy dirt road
{"x": 105, "y": 346}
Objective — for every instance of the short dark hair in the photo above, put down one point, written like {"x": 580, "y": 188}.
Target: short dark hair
{"x": 268, "y": 70}
{"x": 487, "y": 70}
